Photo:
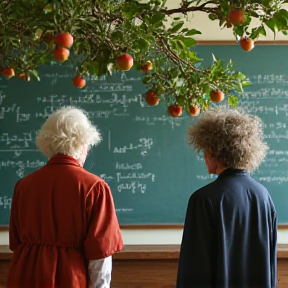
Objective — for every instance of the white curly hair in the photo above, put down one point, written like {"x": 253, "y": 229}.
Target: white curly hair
{"x": 65, "y": 132}
{"x": 233, "y": 137}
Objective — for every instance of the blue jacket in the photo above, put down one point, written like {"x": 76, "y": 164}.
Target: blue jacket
{"x": 230, "y": 235}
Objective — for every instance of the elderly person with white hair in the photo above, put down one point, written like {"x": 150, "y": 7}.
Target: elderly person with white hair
{"x": 63, "y": 225}
{"x": 230, "y": 231}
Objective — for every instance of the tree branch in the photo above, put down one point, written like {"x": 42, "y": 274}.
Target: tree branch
{"x": 184, "y": 10}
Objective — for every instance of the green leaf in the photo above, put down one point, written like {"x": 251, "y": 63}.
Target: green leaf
{"x": 262, "y": 30}
{"x": 158, "y": 17}
{"x": 212, "y": 17}
{"x": 239, "y": 75}
{"x": 232, "y": 101}
{"x": 271, "y": 24}
{"x": 189, "y": 42}
{"x": 180, "y": 44}
{"x": 48, "y": 8}
{"x": 192, "y": 32}
{"x": 246, "y": 83}
{"x": 147, "y": 79}
{"x": 176, "y": 27}
{"x": 142, "y": 44}
{"x": 35, "y": 74}
{"x": 181, "y": 101}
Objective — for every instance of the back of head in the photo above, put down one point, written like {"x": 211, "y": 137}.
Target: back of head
{"x": 234, "y": 138}
{"x": 65, "y": 132}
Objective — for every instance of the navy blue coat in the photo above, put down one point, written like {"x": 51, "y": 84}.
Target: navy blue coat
{"x": 230, "y": 235}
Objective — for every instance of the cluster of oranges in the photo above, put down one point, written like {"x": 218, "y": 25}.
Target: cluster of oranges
{"x": 63, "y": 43}
{"x": 175, "y": 110}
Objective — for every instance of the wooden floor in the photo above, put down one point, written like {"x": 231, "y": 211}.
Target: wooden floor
{"x": 148, "y": 266}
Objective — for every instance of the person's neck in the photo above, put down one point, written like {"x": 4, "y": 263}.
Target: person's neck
{"x": 220, "y": 168}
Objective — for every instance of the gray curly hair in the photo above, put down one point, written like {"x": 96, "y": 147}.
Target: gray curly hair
{"x": 234, "y": 138}
{"x": 65, "y": 131}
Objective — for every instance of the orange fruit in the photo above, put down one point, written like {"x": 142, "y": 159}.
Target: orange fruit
{"x": 175, "y": 110}
{"x": 246, "y": 44}
{"x": 216, "y": 96}
{"x": 8, "y": 72}
{"x": 148, "y": 66}
{"x": 193, "y": 110}
{"x": 124, "y": 62}
{"x": 78, "y": 81}
{"x": 236, "y": 16}
{"x": 25, "y": 76}
{"x": 60, "y": 53}
{"x": 151, "y": 98}
{"x": 64, "y": 40}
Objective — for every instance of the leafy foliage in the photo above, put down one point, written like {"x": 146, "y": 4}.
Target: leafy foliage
{"x": 103, "y": 29}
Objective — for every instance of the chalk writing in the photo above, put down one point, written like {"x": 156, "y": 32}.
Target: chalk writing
{"x": 134, "y": 175}
{"x": 126, "y": 166}
{"x": 144, "y": 143}
{"x": 132, "y": 186}
{"x": 149, "y": 152}
{"x": 16, "y": 141}
{"x": 124, "y": 209}
{"x": 269, "y": 79}
{"x": 5, "y": 202}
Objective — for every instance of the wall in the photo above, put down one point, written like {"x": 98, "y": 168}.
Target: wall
{"x": 153, "y": 236}
{"x": 210, "y": 32}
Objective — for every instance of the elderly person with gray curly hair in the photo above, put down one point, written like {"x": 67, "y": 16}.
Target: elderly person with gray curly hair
{"x": 63, "y": 225}
{"x": 230, "y": 232}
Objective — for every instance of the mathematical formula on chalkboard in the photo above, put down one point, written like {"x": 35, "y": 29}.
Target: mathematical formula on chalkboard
{"x": 144, "y": 156}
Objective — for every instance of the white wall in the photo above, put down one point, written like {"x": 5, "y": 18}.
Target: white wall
{"x": 210, "y": 32}
{"x": 153, "y": 236}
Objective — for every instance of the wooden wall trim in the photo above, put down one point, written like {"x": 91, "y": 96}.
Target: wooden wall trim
{"x": 174, "y": 226}
{"x": 157, "y": 226}
{"x": 258, "y": 42}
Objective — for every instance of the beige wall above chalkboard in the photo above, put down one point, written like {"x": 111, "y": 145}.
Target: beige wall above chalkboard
{"x": 144, "y": 156}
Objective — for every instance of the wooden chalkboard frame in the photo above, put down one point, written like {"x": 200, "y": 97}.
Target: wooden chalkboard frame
{"x": 154, "y": 227}
{"x": 176, "y": 226}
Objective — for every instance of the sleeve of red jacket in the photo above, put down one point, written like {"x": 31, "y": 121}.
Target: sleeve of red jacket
{"x": 103, "y": 235}
{"x": 14, "y": 239}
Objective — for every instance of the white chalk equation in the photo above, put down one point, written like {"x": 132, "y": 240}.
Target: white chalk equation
{"x": 5, "y": 202}
{"x": 130, "y": 177}
{"x": 22, "y": 164}
{"x": 267, "y": 93}
{"x": 276, "y": 163}
{"x": 99, "y": 106}
{"x": 119, "y": 210}
{"x": 15, "y": 141}
{"x": 55, "y": 77}
{"x": 14, "y": 109}
{"x": 109, "y": 87}
{"x": 269, "y": 79}
{"x": 131, "y": 181}
{"x": 163, "y": 119}
{"x": 21, "y": 167}
{"x": 128, "y": 166}
{"x": 143, "y": 145}
{"x": 257, "y": 107}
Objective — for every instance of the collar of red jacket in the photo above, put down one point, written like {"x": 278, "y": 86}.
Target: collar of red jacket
{"x": 63, "y": 159}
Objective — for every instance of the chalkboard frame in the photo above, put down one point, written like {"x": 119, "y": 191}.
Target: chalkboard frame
{"x": 153, "y": 227}
{"x": 179, "y": 226}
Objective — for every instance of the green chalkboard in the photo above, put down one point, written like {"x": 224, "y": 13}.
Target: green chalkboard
{"x": 144, "y": 155}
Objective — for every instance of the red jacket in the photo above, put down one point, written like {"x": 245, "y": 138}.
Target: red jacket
{"x": 61, "y": 217}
